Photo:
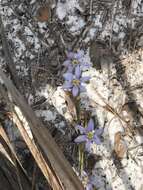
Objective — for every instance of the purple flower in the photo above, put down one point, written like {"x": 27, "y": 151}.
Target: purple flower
{"x": 74, "y": 82}
{"x": 87, "y": 181}
{"x": 89, "y": 135}
{"x": 89, "y": 186}
{"x": 75, "y": 59}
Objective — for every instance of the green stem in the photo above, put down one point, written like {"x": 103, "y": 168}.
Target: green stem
{"x": 81, "y": 158}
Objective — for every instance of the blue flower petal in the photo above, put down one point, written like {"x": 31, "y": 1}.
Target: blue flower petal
{"x": 77, "y": 72}
{"x": 85, "y": 67}
{"x": 88, "y": 146}
{"x": 79, "y": 54}
{"x": 80, "y": 139}
{"x": 68, "y": 76}
{"x": 81, "y": 129}
{"x": 67, "y": 63}
{"x": 70, "y": 55}
{"x": 89, "y": 186}
{"x": 67, "y": 85}
{"x": 99, "y": 131}
{"x": 70, "y": 69}
{"x": 82, "y": 88}
{"x": 90, "y": 126}
{"x": 75, "y": 90}
{"x": 96, "y": 139}
{"x": 85, "y": 79}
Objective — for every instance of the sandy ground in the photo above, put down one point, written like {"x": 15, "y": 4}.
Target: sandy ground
{"x": 111, "y": 33}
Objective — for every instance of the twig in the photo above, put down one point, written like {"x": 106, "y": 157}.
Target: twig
{"x": 82, "y": 35}
{"x": 110, "y": 109}
{"x": 91, "y": 9}
{"x": 114, "y": 6}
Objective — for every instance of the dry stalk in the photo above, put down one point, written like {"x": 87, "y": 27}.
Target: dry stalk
{"x": 41, "y": 162}
{"x": 108, "y": 108}
{"x": 11, "y": 152}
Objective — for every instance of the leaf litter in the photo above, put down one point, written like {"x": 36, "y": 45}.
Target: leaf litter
{"x": 113, "y": 46}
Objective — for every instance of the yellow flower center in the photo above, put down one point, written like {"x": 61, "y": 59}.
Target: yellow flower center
{"x": 90, "y": 135}
{"x": 76, "y": 82}
{"x": 75, "y": 62}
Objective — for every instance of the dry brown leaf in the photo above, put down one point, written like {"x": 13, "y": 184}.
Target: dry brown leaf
{"x": 43, "y": 13}
{"x": 119, "y": 146}
{"x": 71, "y": 106}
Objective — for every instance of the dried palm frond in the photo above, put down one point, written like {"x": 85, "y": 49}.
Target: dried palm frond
{"x": 48, "y": 146}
